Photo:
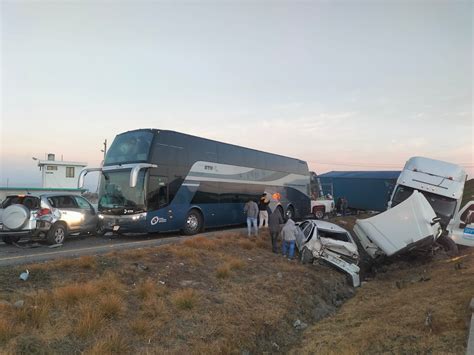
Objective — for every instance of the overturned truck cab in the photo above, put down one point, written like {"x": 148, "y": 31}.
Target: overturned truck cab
{"x": 409, "y": 225}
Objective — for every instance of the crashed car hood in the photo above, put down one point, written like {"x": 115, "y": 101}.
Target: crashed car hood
{"x": 400, "y": 228}
{"x": 339, "y": 246}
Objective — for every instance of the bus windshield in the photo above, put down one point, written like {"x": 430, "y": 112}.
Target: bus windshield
{"x": 444, "y": 207}
{"x": 115, "y": 194}
{"x": 129, "y": 147}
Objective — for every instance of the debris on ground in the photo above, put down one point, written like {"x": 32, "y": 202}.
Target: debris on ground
{"x": 19, "y": 304}
{"x": 54, "y": 246}
{"x": 141, "y": 266}
{"x": 299, "y": 325}
{"x": 24, "y": 275}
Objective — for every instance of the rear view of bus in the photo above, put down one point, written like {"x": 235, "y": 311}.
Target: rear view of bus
{"x": 158, "y": 181}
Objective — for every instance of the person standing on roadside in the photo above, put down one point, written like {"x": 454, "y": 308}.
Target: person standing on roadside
{"x": 288, "y": 234}
{"x": 251, "y": 210}
{"x": 274, "y": 224}
{"x": 262, "y": 211}
{"x": 344, "y": 205}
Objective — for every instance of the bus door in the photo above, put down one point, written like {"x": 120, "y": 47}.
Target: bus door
{"x": 157, "y": 196}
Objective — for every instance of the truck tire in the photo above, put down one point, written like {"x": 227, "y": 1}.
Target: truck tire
{"x": 318, "y": 212}
{"x": 448, "y": 245}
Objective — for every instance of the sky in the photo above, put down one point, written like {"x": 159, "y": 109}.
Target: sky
{"x": 344, "y": 85}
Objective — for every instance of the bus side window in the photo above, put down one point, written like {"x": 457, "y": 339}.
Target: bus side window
{"x": 157, "y": 196}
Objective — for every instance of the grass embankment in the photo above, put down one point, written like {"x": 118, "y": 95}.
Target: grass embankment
{"x": 412, "y": 308}
{"x": 225, "y": 295}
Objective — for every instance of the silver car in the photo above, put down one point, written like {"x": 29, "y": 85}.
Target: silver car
{"x": 49, "y": 216}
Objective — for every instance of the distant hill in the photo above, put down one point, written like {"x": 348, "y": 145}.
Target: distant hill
{"x": 468, "y": 192}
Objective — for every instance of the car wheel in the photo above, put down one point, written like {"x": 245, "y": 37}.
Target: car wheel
{"x": 10, "y": 239}
{"x": 290, "y": 212}
{"x": 57, "y": 234}
{"x": 306, "y": 256}
{"x": 193, "y": 223}
{"x": 99, "y": 230}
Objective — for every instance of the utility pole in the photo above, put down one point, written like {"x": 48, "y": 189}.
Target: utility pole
{"x": 105, "y": 148}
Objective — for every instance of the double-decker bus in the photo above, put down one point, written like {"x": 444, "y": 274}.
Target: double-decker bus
{"x": 158, "y": 180}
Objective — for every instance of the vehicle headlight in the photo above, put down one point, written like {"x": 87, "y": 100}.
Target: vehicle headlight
{"x": 101, "y": 216}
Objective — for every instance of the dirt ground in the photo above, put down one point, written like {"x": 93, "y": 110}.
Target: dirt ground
{"x": 227, "y": 295}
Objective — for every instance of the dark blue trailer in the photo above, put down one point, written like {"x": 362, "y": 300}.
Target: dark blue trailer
{"x": 364, "y": 190}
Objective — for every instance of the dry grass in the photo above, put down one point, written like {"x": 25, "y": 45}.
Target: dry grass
{"x": 389, "y": 314}
{"x": 112, "y": 343}
{"x": 36, "y": 309}
{"x": 141, "y": 327}
{"x": 185, "y": 299}
{"x": 155, "y": 309}
{"x": 7, "y": 330}
{"x": 246, "y": 244}
{"x": 223, "y": 271}
{"x": 112, "y": 307}
{"x": 201, "y": 243}
{"x": 147, "y": 289}
{"x": 72, "y": 294}
{"x": 235, "y": 263}
{"x": 90, "y": 320}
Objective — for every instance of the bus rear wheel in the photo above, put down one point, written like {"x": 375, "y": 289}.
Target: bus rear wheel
{"x": 193, "y": 223}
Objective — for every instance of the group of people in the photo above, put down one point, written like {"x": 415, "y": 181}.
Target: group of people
{"x": 273, "y": 223}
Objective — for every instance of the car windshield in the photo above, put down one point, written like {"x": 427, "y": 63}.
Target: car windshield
{"x": 444, "y": 207}
{"x": 129, "y": 147}
{"x": 31, "y": 202}
{"x": 116, "y": 193}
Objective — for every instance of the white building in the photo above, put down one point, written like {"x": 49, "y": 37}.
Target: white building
{"x": 60, "y": 174}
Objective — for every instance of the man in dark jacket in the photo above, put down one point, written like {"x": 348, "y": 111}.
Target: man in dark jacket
{"x": 274, "y": 222}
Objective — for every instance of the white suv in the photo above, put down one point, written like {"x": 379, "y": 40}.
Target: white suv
{"x": 50, "y": 216}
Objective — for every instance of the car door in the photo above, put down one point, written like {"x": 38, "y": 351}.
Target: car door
{"x": 462, "y": 231}
{"x": 90, "y": 216}
{"x": 70, "y": 212}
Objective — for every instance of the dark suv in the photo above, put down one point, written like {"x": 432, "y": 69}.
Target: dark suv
{"x": 51, "y": 216}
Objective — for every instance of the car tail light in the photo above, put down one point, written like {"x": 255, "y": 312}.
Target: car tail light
{"x": 43, "y": 212}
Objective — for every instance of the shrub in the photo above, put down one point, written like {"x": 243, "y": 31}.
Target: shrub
{"x": 223, "y": 271}
{"x": 184, "y": 299}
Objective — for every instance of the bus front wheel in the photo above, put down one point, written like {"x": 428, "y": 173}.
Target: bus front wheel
{"x": 193, "y": 223}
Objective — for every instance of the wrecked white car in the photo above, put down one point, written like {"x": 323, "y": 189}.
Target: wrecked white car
{"x": 409, "y": 225}
{"x": 329, "y": 243}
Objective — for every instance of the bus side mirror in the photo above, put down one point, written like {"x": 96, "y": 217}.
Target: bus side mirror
{"x": 82, "y": 175}
{"x": 435, "y": 220}
{"x": 136, "y": 169}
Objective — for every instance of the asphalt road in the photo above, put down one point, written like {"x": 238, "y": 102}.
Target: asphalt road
{"x": 31, "y": 252}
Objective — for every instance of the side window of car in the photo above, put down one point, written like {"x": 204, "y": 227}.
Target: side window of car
{"x": 303, "y": 225}
{"x": 65, "y": 202}
{"x": 82, "y": 203}
{"x": 307, "y": 231}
